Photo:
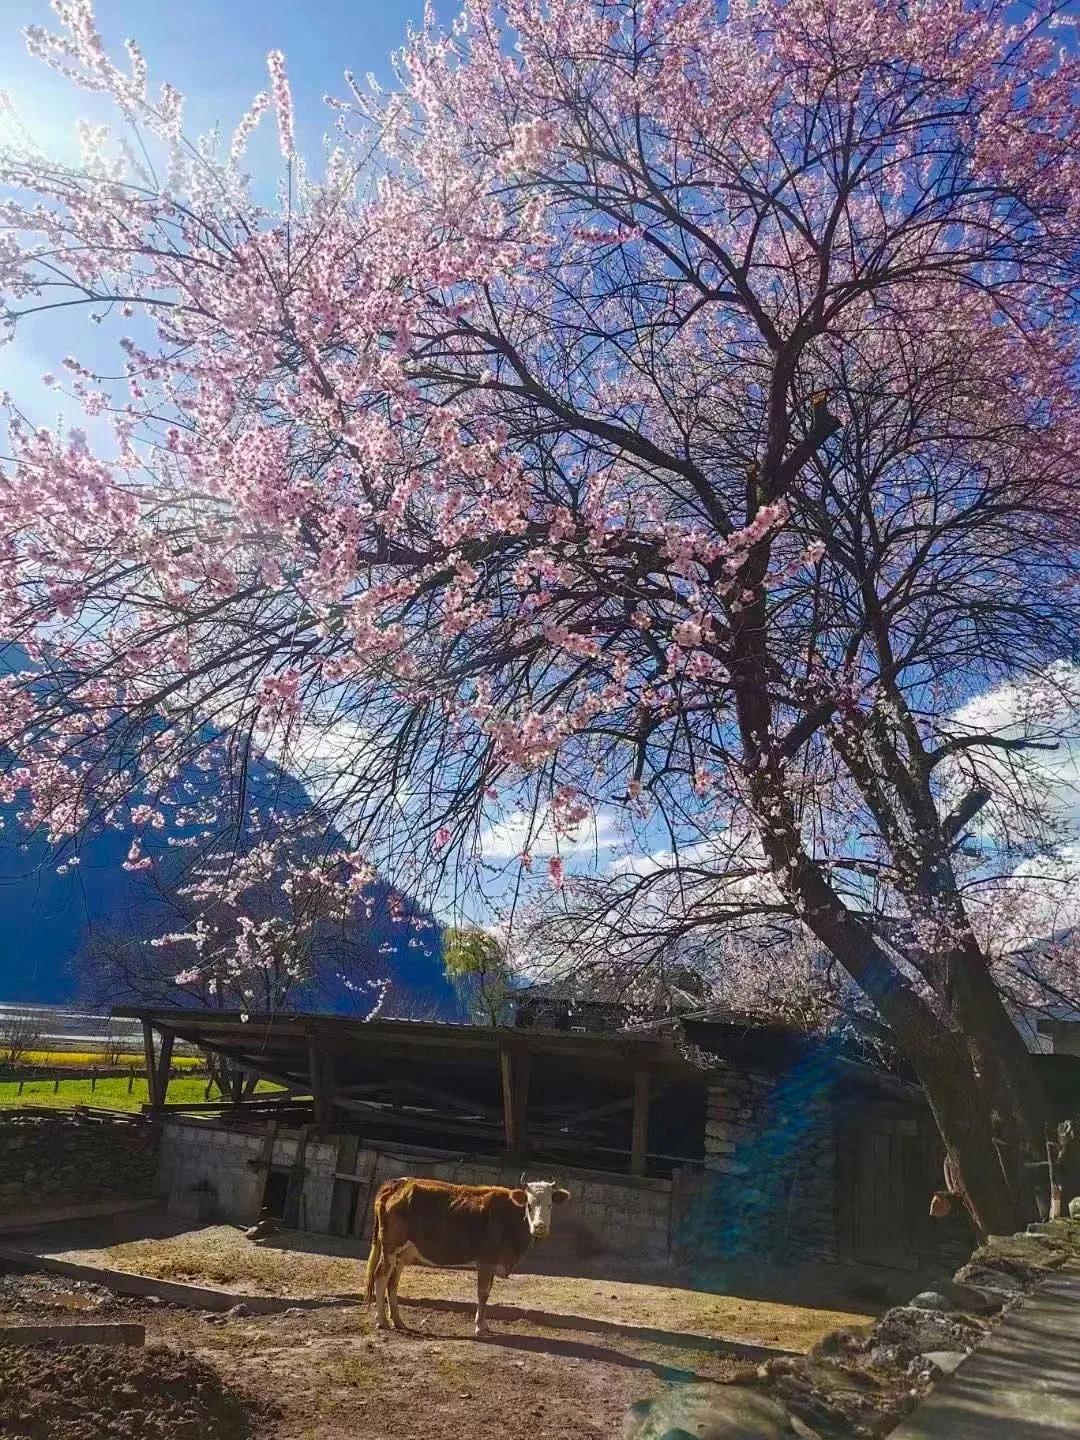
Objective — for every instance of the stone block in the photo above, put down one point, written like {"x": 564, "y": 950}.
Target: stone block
{"x": 726, "y": 1166}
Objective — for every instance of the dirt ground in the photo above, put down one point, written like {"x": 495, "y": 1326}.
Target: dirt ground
{"x": 92, "y": 1392}
{"x": 325, "y": 1374}
{"x": 306, "y": 1266}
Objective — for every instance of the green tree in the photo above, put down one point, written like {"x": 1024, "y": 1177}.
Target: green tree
{"x": 475, "y": 962}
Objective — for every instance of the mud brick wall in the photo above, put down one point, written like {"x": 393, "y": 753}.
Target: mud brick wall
{"x": 62, "y": 1159}
{"x": 606, "y": 1214}
{"x": 770, "y": 1187}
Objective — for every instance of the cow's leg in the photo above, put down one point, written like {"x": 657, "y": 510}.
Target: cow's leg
{"x": 485, "y": 1274}
{"x": 382, "y": 1277}
{"x": 397, "y": 1267}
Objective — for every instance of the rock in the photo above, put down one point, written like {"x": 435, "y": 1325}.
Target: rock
{"x": 238, "y": 1312}
{"x": 711, "y": 1412}
{"x": 800, "y": 1428}
{"x": 926, "y": 1330}
{"x": 922, "y": 1368}
{"x": 931, "y": 1300}
{"x": 946, "y": 1360}
{"x": 985, "y": 1278}
{"x": 968, "y": 1297}
{"x": 891, "y": 1357}
{"x": 849, "y": 1341}
{"x": 262, "y": 1229}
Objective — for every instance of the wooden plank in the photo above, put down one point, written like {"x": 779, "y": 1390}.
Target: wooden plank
{"x": 363, "y": 1211}
{"x": 639, "y": 1142}
{"x": 342, "y": 1194}
{"x": 266, "y": 1156}
{"x": 257, "y": 1106}
{"x": 294, "y": 1194}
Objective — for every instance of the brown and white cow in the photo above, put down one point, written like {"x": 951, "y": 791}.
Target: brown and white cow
{"x": 432, "y": 1222}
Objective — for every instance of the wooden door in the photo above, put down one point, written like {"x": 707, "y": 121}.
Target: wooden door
{"x": 884, "y": 1175}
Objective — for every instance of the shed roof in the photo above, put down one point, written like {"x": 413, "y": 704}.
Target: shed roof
{"x": 456, "y": 1055}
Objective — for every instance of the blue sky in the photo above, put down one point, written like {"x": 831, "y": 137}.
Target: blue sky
{"x": 214, "y": 52}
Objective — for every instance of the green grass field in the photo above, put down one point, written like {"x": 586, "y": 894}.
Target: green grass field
{"x": 108, "y": 1094}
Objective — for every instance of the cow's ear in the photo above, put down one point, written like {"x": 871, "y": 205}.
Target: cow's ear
{"x": 559, "y": 1197}
{"x": 520, "y": 1198}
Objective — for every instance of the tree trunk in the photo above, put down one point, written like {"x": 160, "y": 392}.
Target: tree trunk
{"x": 960, "y": 1098}
{"x": 964, "y": 1116}
{"x": 1004, "y": 1067}
{"x": 957, "y": 1087}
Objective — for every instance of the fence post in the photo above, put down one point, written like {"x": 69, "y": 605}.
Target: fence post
{"x": 21, "y": 1084}
{"x": 93, "y": 1081}
{"x": 131, "y": 1079}
{"x": 56, "y": 1085}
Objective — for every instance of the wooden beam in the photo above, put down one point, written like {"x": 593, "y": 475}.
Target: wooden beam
{"x": 151, "y": 1062}
{"x": 639, "y": 1141}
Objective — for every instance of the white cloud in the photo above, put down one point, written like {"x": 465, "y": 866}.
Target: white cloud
{"x": 1046, "y": 711}
{"x": 521, "y": 832}
{"x": 1037, "y": 799}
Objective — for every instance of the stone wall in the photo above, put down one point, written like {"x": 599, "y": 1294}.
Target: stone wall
{"x": 62, "y": 1159}
{"x": 770, "y": 1181}
{"x": 607, "y": 1214}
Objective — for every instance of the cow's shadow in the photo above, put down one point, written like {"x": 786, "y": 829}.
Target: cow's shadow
{"x": 584, "y": 1350}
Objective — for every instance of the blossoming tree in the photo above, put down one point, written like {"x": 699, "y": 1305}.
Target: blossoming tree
{"x": 650, "y": 408}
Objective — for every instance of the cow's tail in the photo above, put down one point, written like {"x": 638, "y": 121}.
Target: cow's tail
{"x": 375, "y": 1253}
{"x": 374, "y": 1256}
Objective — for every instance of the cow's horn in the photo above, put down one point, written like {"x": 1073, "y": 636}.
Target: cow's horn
{"x": 521, "y": 1182}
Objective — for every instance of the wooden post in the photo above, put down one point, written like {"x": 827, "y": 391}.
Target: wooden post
{"x": 639, "y": 1142}
{"x": 317, "y": 1068}
{"x": 515, "y": 1091}
{"x": 164, "y": 1066}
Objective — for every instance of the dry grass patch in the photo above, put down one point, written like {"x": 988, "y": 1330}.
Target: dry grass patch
{"x": 220, "y": 1255}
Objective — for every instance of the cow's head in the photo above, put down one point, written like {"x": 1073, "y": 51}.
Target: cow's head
{"x": 536, "y": 1197}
